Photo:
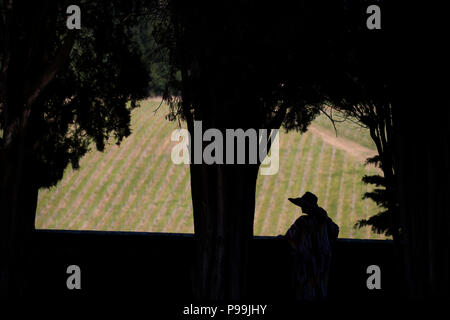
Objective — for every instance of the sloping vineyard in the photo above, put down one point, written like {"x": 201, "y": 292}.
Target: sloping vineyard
{"x": 136, "y": 187}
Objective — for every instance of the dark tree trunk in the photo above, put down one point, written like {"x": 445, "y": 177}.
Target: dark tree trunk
{"x": 18, "y": 201}
{"x": 26, "y": 71}
{"x": 220, "y": 87}
{"x": 223, "y": 197}
{"x": 224, "y": 203}
{"x": 424, "y": 189}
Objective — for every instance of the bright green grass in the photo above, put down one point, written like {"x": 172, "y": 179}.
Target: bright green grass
{"x": 135, "y": 187}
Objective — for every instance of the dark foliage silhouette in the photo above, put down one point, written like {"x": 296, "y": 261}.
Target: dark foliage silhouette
{"x": 61, "y": 90}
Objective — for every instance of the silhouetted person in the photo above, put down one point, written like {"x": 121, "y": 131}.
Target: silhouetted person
{"x": 311, "y": 238}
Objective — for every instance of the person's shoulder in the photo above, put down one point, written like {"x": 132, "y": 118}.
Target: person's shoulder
{"x": 301, "y": 220}
{"x": 322, "y": 211}
{"x": 304, "y": 221}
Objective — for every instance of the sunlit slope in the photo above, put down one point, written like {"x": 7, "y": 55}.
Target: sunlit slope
{"x": 136, "y": 187}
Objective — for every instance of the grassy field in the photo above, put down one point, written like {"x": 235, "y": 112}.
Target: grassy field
{"x": 347, "y": 129}
{"x": 135, "y": 187}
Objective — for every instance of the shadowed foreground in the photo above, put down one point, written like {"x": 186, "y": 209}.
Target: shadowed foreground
{"x": 157, "y": 266}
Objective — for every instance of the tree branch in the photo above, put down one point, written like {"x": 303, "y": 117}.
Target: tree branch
{"x": 50, "y": 72}
{"x": 331, "y": 119}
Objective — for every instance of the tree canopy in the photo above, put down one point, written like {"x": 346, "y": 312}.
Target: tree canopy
{"x": 90, "y": 97}
{"x": 61, "y": 90}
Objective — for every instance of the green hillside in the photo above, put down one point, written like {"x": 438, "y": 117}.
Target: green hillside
{"x": 136, "y": 187}
{"x": 347, "y": 129}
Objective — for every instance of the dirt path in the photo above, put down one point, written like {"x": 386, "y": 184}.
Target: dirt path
{"x": 356, "y": 150}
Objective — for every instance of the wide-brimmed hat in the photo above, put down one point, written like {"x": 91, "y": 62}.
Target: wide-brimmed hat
{"x": 307, "y": 200}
